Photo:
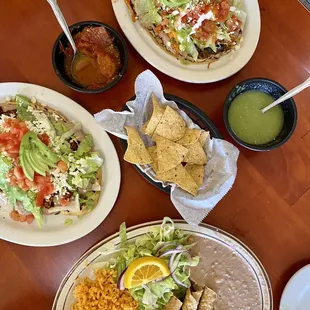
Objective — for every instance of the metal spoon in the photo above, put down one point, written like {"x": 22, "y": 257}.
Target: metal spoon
{"x": 63, "y": 24}
{"x": 288, "y": 95}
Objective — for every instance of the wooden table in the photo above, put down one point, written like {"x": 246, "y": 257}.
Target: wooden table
{"x": 268, "y": 207}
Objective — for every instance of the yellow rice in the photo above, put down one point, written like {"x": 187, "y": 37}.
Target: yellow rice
{"x": 102, "y": 294}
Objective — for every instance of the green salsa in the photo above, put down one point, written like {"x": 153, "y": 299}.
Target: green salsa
{"x": 248, "y": 122}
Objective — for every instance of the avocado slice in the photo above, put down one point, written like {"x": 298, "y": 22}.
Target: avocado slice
{"x": 27, "y": 169}
{"x": 35, "y": 156}
{"x": 36, "y": 163}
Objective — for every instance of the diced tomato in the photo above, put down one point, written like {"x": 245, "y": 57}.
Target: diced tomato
{"x": 62, "y": 166}
{"x": 233, "y": 24}
{"x": 64, "y": 201}
{"x": 223, "y": 11}
{"x": 23, "y": 218}
{"x": 10, "y": 139}
{"x": 40, "y": 198}
{"x": 41, "y": 183}
{"x": 44, "y": 138}
{"x": 15, "y": 216}
{"x": 30, "y": 218}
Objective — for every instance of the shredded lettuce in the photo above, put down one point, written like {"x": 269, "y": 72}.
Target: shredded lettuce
{"x": 15, "y": 194}
{"x": 186, "y": 44}
{"x": 71, "y": 132}
{"x": 155, "y": 295}
{"x": 89, "y": 200}
{"x": 147, "y": 12}
{"x": 174, "y": 3}
{"x": 22, "y": 103}
{"x": 59, "y": 126}
{"x": 85, "y": 146}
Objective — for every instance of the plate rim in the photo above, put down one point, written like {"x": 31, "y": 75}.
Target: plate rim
{"x": 133, "y": 228}
{"x": 45, "y": 240}
{"x": 289, "y": 283}
{"x": 124, "y": 20}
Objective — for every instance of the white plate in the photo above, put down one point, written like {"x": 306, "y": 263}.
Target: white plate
{"x": 64, "y": 297}
{"x": 228, "y": 65}
{"x": 296, "y": 295}
{"x": 54, "y": 232}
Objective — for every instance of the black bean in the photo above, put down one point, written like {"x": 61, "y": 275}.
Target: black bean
{"x": 67, "y": 195}
{"x": 74, "y": 145}
{"x": 48, "y": 203}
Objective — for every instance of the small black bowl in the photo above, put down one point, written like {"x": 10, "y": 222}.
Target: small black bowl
{"x": 276, "y": 91}
{"x": 58, "y": 56}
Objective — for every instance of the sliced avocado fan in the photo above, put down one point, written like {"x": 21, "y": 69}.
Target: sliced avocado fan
{"x": 35, "y": 156}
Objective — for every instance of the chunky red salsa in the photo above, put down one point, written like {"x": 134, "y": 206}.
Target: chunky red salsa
{"x": 99, "y": 60}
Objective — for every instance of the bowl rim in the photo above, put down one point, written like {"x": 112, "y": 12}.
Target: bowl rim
{"x": 84, "y": 90}
{"x": 263, "y": 147}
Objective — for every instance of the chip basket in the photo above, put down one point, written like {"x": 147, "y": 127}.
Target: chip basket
{"x": 197, "y": 116}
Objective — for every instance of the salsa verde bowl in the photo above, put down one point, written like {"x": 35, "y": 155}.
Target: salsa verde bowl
{"x": 276, "y": 91}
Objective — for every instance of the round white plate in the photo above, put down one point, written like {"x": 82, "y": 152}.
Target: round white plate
{"x": 296, "y": 295}
{"x": 64, "y": 296}
{"x": 54, "y": 231}
{"x": 228, "y": 65}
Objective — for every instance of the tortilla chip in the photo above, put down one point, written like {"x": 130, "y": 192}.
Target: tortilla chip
{"x": 191, "y": 136}
{"x": 197, "y": 172}
{"x": 153, "y": 152}
{"x": 190, "y": 302}
{"x": 157, "y": 114}
{"x": 197, "y": 295}
{"x": 181, "y": 177}
{"x": 144, "y": 126}
{"x": 131, "y": 10}
{"x": 203, "y": 137}
{"x": 173, "y": 304}
{"x": 207, "y": 300}
{"x": 171, "y": 126}
{"x": 169, "y": 154}
{"x": 196, "y": 154}
{"x": 136, "y": 152}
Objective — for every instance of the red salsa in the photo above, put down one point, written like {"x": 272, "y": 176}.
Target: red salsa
{"x": 99, "y": 61}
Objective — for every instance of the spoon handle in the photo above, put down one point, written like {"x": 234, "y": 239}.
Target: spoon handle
{"x": 62, "y": 22}
{"x": 288, "y": 95}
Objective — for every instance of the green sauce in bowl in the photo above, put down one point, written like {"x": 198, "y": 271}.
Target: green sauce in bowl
{"x": 248, "y": 122}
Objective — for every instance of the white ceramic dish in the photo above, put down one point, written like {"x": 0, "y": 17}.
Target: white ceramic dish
{"x": 193, "y": 73}
{"x": 296, "y": 295}
{"x": 54, "y": 231}
{"x": 64, "y": 297}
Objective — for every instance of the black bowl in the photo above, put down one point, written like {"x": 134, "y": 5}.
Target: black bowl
{"x": 276, "y": 91}
{"x": 58, "y": 56}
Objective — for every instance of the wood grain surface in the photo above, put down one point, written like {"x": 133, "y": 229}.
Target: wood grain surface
{"x": 268, "y": 207}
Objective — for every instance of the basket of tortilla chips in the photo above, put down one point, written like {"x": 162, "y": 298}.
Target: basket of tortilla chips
{"x": 199, "y": 117}
{"x": 174, "y": 150}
